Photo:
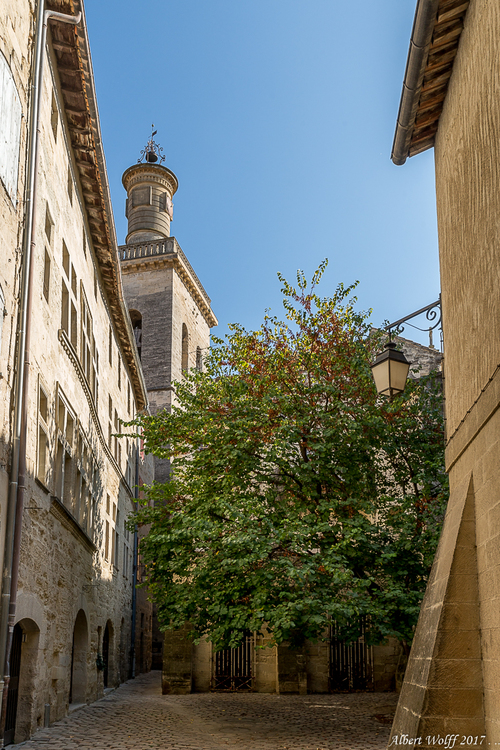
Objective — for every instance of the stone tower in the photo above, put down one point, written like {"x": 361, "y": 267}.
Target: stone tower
{"x": 168, "y": 306}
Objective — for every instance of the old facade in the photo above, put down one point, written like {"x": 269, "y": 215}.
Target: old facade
{"x": 450, "y": 101}
{"x": 169, "y": 308}
{"x": 73, "y": 620}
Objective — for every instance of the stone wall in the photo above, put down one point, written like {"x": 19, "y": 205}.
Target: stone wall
{"x": 453, "y": 676}
{"x": 15, "y": 29}
{"x": 75, "y": 577}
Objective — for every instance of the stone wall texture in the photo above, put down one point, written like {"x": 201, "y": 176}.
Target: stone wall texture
{"x": 76, "y": 567}
{"x": 453, "y": 676}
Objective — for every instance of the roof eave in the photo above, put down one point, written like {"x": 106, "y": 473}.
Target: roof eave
{"x": 89, "y": 155}
{"x": 433, "y": 46}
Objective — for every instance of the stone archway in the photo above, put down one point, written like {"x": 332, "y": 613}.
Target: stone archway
{"x": 108, "y": 652}
{"x": 79, "y": 650}
{"x": 23, "y": 668}
{"x": 123, "y": 667}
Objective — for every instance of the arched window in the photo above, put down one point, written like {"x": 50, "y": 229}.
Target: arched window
{"x": 136, "y": 318}
{"x": 185, "y": 348}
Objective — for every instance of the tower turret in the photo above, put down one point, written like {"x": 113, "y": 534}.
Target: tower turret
{"x": 150, "y": 190}
{"x": 169, "y": 308}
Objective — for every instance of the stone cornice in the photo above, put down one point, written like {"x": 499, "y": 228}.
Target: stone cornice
{"x": 167, "y": 253}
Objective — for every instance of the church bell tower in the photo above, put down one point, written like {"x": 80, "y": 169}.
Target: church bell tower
{"x": 170, "y": 310}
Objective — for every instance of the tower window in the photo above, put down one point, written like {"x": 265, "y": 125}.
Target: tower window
{"x": 185, "y": 348}
{"x": 136, "y": 319}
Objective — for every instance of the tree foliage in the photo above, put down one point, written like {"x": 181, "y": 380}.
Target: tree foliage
{"x": 297, "y": 496}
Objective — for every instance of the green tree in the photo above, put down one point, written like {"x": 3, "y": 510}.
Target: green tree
{"x": 297, "y": 496}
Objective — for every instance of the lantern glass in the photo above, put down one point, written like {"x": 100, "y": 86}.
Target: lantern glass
{"x": 390, "y": 371}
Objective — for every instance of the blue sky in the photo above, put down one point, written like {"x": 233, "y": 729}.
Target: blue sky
{"x": 277, "y": 117}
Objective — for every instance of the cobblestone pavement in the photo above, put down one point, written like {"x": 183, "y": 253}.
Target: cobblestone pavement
{"x": 137, "y": 716}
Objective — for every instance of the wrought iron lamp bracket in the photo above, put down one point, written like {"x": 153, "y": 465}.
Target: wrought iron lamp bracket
{"x": 432, "y": 313}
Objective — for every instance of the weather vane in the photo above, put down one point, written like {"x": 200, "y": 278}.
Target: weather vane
{"x": 153, "y": 151}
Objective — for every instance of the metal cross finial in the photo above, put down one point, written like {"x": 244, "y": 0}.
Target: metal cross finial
{"x": 152, "y": 151}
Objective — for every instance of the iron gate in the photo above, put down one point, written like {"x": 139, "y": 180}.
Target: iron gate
{"x": 351, "y": 663}
{"x": 233, "y": 667}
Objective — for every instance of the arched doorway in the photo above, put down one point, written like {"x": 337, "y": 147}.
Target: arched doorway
{"x": 78, "y": 677}
{"x": 107, "y": 654}
{"x": 12, "y": 695}
{"x": 23, "y": 674}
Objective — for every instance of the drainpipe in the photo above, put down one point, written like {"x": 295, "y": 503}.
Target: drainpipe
{"x": 134, "y": 565}
{"x": 18, "y": 464}
{"x": 421, "y": 36}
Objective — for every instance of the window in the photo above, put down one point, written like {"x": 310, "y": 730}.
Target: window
{"x": 10, "y": 129}
{"x": 106, "y": 541}
{"x": 54, "y": 115}
{"x": 43, "y": 440}
{"x": 116, "y": 439}
{"x": 128, "y": 397}
{"x": 110, "y": 346}
{"x": 110, "y": 423}
{"x": 49, "y": 224}
{"x": 113, "y": 546}
{"x": 69, "y": 320}
{"x": 46, "y": 276}
{"x": 3, "y": 313}
{"x": 76, "y": 473}
{"x": 88, "y": 353}
{"x": 65, "y": 451}
{"x": 70, "y": 185}
{"x": 185, "y": 348}
{"x": 66, "y": 261}
{"x": 136, "y": 320}
{"x": 65, "y": 309}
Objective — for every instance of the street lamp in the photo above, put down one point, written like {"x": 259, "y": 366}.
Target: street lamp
{"x": 390, "y": 369}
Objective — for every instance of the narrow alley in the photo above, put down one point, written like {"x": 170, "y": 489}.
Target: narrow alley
{"x": 137, "y": 716}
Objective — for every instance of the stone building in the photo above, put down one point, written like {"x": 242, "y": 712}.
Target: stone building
{"x": 72, "y": 624}
{"x": 450, "y": 102}
{"x": 169, "y": 308}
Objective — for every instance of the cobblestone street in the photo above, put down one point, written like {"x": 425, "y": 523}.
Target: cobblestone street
{"x": 137, "y": 716}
